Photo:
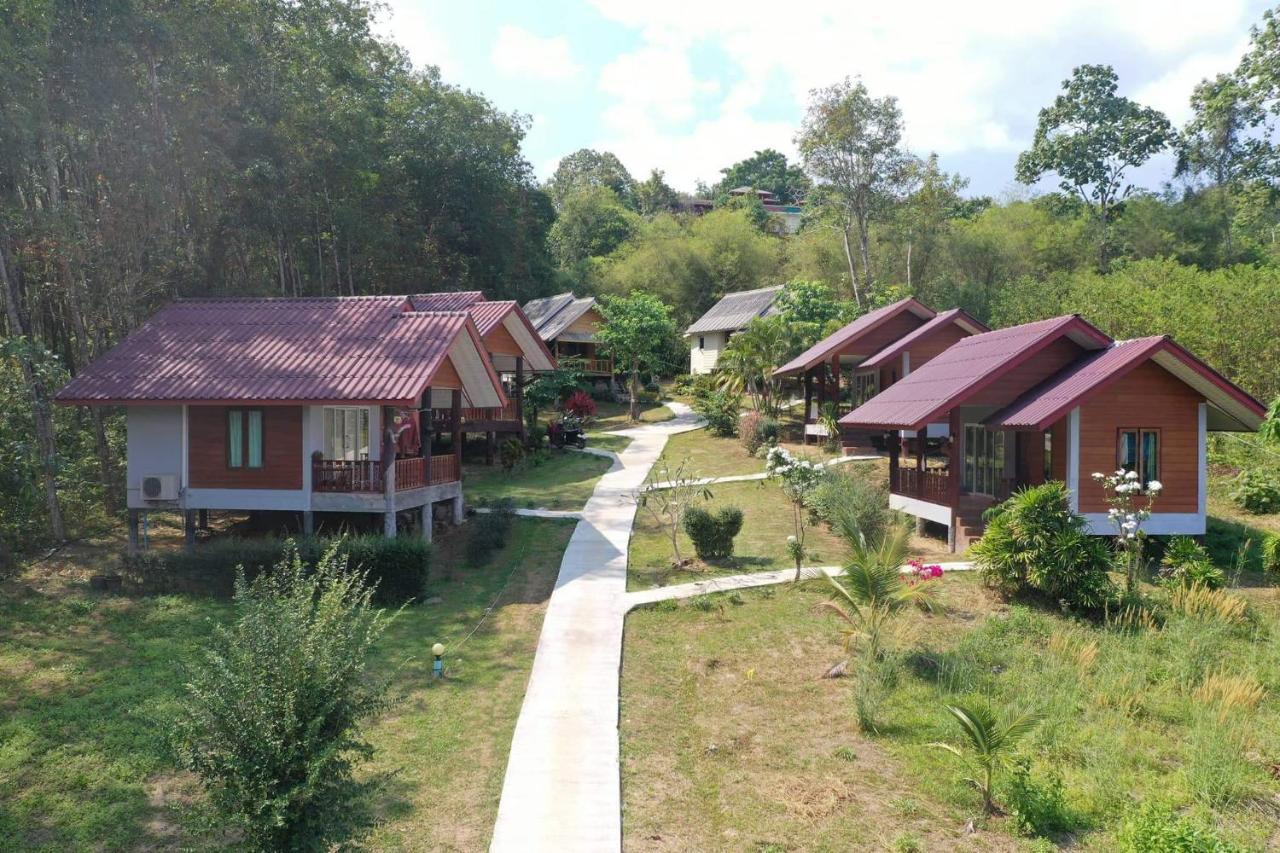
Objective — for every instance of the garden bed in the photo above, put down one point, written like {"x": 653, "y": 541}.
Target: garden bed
{"x": 86, "y": 682}
{"x": 731, "y": 740}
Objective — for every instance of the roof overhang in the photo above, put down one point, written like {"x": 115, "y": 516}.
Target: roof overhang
{"x": 536, "y": 355}
{"x": 833, "y": 344}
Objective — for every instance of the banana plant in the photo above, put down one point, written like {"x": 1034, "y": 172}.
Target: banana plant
{"x": 990, "y": 743}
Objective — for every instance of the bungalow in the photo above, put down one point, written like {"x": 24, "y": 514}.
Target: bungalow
{"x": 568, "y": 326}
{"x": 710, "y": 332}
{"x": 304, "y": 405}
{"x": 514, "y": 349}
{"x": 1055, "y": 399}
{"x": 875, "y": 350}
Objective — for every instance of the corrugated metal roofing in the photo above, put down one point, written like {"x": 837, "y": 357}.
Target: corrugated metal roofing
{"x": 489, "y": 314}
{"x": 735, "y": 310}
{"x": 828, "y": 346}
{"x": 273, "y": 350}
{"x": 459, "y": 300}
{"x": 963, "y": 368}
{"x": 1053, "y": 398}
{"x": 958, "y": 316}
{"x": 553, "y": 314}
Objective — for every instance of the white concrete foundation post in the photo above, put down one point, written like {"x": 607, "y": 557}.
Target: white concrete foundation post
{"x": 426, "y": 522}
{"x": 308, "y": 523}
{"x": 458, "y": 511}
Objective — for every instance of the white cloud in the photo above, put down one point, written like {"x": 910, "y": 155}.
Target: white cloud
{"x": 968, "y": 78}
{"x": 408, "y": 23}
{"x": 520, "y": 53}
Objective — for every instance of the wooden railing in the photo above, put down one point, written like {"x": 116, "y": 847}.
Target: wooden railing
{"x": 444, "y": 469}
{"x": 931, "y": 485}
{"x": 598, "y": 365}
{"x": 340, "y": 475}
{"x": 444, "y": 417}
{"x": 412, "y": 472}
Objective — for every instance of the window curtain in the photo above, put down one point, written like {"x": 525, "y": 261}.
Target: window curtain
{"x": 235, "y": 438}
{"x": 255, "y": 439}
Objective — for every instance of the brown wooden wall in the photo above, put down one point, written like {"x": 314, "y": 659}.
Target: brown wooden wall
{"x": 1147, "y": 398}
{"x": 1058, "y": 463}
{"x": 880, "y": 337}
{"x": 1027, "y": 375}
{"x": 934, "y": 344}
{"x": 446, "y": 376}
{"x": 281, "y": 450}
{"x": 500, "y": 342}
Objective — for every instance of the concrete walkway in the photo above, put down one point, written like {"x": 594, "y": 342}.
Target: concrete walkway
{"x": 725, "y": 583}
{"x": 562, "y": 790}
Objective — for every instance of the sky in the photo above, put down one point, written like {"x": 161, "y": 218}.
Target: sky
{"x": 691, "y": 86}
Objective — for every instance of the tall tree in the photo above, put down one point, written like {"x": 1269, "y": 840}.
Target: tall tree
{"x": 1216, "y": 142}
{"x": 1090, "y": 137}
{"x": 635, "y": 332}
{"x": 932, "y": 202}
{"x": 765, "y": 170}
{"x": 592, "y": 223}
{"x": 852, "y": 146}
{"x": 654, "y": 195}
{"x": 587, "y": 167}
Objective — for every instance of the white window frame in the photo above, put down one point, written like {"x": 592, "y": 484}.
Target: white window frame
{"x": 352, "y": 446}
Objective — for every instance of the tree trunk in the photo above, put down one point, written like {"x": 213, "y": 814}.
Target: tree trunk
{"x": 853, "y": 273}
{"x": 864, "y": 248}
{"x": 634, "y": 412}
{"x": 39, "y": 396}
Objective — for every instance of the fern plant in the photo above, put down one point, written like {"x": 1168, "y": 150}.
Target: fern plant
{"x": 990, "y": 743}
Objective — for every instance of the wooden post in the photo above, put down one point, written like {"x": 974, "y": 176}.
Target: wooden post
{"x": 388, "y": 459}
{"x": 424, "y": 427}
{"x": 895, "y": 441}
{"x": 490, "y": 440}
{"x": 520, "y": 394}
{"x": 134, "y": 517}
{"x": 955, "y": 459}
{"x": 920, "y": 461}
{"x": 808, "y": 394}
{"x": 457, "y": 429}
{"x": 189, "y": 528}
{"x": 203, "y": 519}
{"x": 835, "y": 390}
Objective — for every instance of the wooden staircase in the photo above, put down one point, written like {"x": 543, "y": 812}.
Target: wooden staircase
{"x": 969, "y": 523}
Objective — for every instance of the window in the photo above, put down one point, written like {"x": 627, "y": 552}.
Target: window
{"x": 346, "y": 433}
{"x": 702, "y": 342}
{"x": 865, "y": 386}
{"x": 244, "y": 438}
{"x": 983, "y": 460}
{"x": 1139, "y": 450}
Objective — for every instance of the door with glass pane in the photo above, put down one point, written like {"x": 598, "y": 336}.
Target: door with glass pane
{"x": 983, "y": 460}
{"x": 346, "y": 433}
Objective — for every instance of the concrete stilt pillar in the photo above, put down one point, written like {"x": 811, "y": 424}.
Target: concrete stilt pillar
{"x": 458, "y": 510}
{"x": 920, "y": 522}
{"x": 189, "y": 528}
{"x": 203, "y": 519}
{"x": 426, "y": 522}
{"x": 134, "y": 517}
{"x": 389, "y": 524}
{"x": 308, "y": 523}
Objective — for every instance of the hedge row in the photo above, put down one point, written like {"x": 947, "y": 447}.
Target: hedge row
{"x": 398, "y": 566}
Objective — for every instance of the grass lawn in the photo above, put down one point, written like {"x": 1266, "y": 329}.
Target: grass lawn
{"x": 730, "y": 740}
{"x": 87, "y": 681}
{"x": 713, "y": 456}
{"x": 611, "y": 416}
{"x": 563, "y": 481}
{"x": 760, "y": 546}
{"x": 608, "y": 441}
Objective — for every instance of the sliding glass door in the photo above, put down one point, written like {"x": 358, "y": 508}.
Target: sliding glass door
{"x": 983, "y": 460}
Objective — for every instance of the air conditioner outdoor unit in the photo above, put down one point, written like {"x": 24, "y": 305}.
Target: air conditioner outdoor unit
{"x": 160, "y": 487}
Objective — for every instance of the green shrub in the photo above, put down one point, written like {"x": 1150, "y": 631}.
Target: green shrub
{"x": 398, "y": 567}
{"x": 272, "y": 718}
{"x": 712, "y": 533}
{"x": 850, "y": 491}
{"x": 767, "y": 430}
{"x": 1186, "y": 562}
{"x": 1256, "y": 491}
{"x": 684, "y": 384}
{"x": 511, "y": 453}
{"x": 1227, "y": 542}
{"x": 1156, "y": 828}
{"x": 748, "y": 431}
{"x": 720, "y": 411}
{"x": 1271, "y": 554}
{"x": 1035, "y": 541}
{"x": 488, "y": 532}
{"x": 1036, "y": 808}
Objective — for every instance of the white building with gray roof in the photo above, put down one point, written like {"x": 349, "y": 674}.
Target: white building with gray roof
{"x": 711, "y": 332}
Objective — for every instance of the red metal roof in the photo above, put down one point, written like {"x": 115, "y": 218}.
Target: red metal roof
{"x": 1050, "y": 400}
{"x": 489, "y": 315}
{"x": 369, "y": 349}
{"x": 958, "y": 316}
{"x": 963, "y": 369}
{"x": 845, "y": 337}
{"x": 459, "y": 300}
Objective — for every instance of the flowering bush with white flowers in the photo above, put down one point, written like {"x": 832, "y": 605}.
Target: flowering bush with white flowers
{"x": 799, "y": 479}
{"x": 1130, "y": 503}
